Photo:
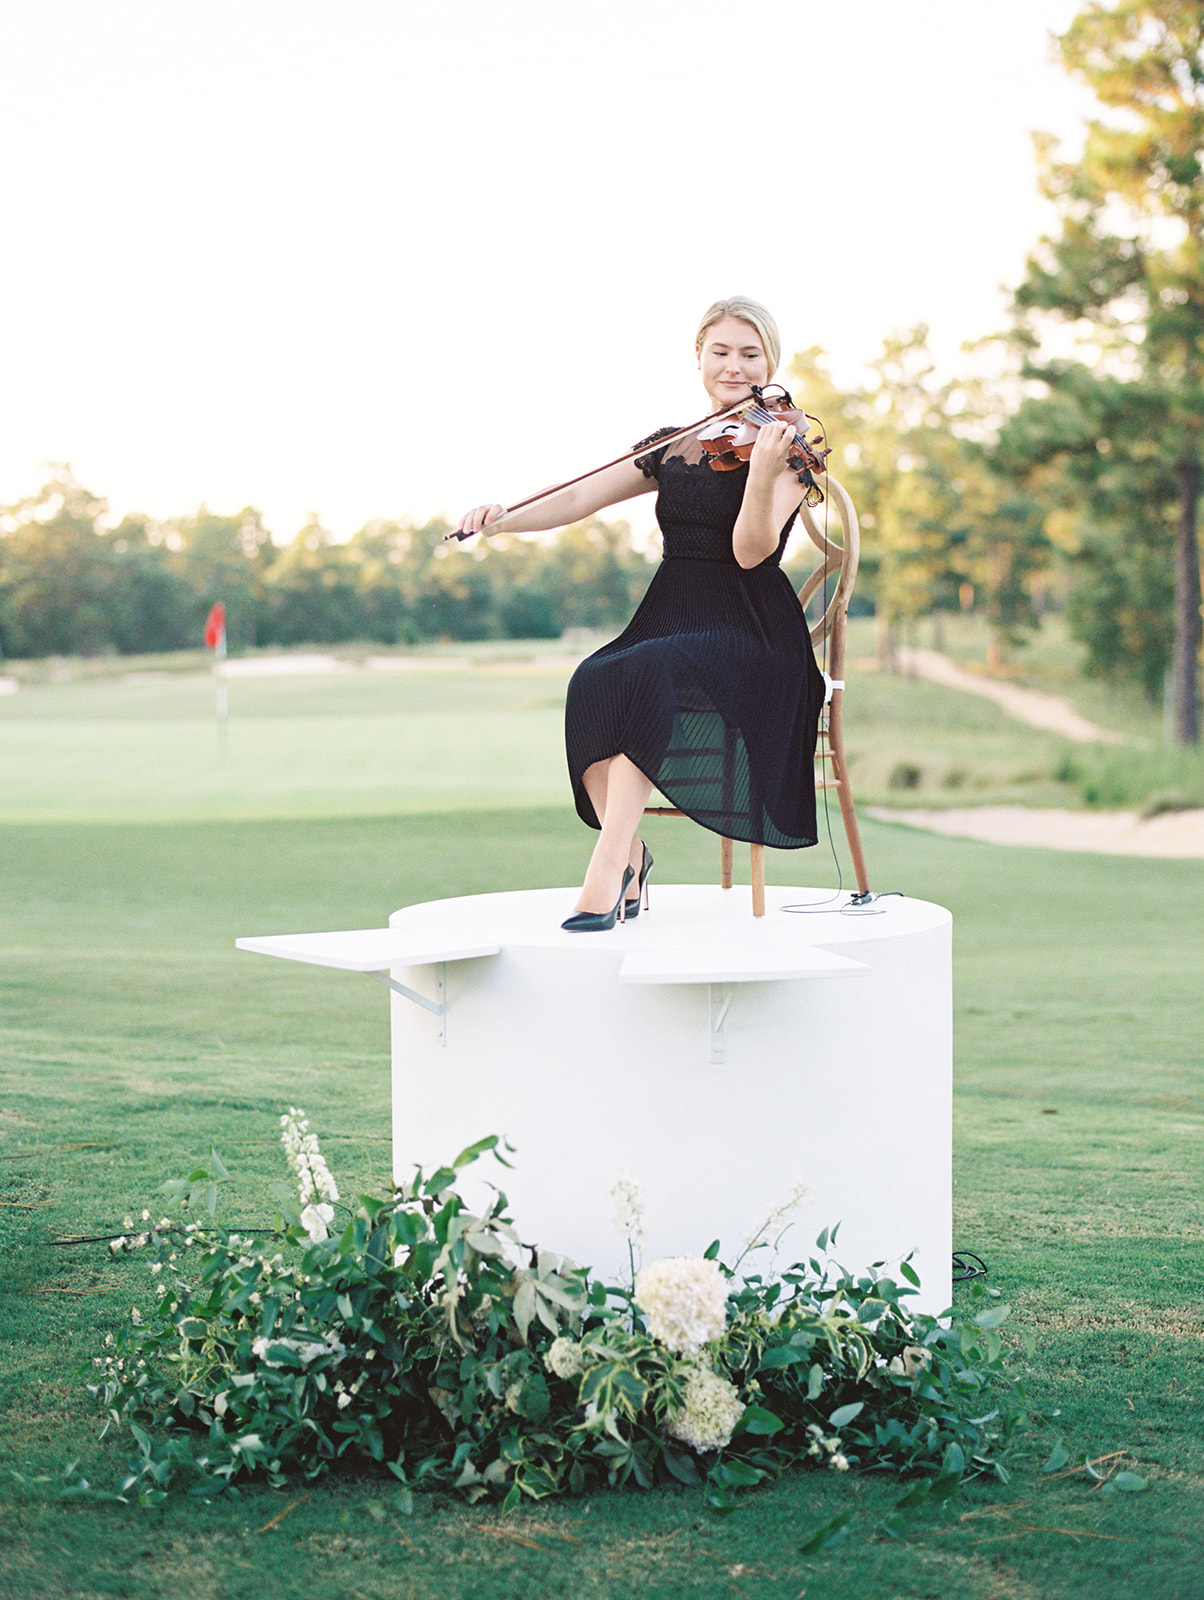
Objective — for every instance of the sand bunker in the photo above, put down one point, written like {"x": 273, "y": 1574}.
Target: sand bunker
{"x": 1117, "y": 833}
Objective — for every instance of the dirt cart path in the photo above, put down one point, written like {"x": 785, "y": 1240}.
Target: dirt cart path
{"x": 1172, "y": 834}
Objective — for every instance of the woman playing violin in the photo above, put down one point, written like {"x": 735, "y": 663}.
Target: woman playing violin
{"x": 711, "y": 694}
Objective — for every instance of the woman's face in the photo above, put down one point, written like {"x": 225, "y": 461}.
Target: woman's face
{"x": 731, "y": 359}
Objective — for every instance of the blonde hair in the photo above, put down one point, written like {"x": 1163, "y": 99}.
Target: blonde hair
{"x": 751, "y": 311}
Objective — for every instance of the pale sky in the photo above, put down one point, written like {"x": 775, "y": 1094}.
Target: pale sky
{"x": 379, "y": 258}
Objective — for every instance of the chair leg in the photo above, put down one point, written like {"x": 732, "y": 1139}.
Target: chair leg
{"x": 725, "y": 862}
{"x": 758, "y": 879}
{"x": 844, "y": 794}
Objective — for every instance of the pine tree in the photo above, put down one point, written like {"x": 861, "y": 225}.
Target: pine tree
{"x": 1128, "y": 271}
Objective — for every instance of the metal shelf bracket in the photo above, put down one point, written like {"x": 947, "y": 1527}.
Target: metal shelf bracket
{"x": 437, "y": 1007}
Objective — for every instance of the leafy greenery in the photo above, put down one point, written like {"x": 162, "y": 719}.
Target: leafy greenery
{"x": 419, "y": 1340}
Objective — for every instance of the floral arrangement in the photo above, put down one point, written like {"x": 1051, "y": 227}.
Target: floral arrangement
{"x": 432, "y": 1343}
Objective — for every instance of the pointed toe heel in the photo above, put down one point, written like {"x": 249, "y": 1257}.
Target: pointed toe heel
{"x": 601, "y": 921}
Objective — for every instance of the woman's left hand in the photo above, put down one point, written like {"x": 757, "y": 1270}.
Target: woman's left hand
{"x": 771, "y": 451}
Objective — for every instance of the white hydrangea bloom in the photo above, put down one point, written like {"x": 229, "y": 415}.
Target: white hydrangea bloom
{"x": 564, "y": 1358}
{"x": 684, "y": 1299}
{"x": 710, "y": 1410}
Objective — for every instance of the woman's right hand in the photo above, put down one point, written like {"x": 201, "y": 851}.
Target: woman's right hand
{"x": 478, "y": 518}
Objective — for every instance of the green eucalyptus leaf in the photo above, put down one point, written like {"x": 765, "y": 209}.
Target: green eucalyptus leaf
{"x": 843, "y": 1415}
{"x": 683, "y": 1467}
{"x": 721, "y": 1502}
{"x": 827, "y": 1535}
{"x": 570, "y": 1297}
{"x": 870, "y": 1310}
{"x": 756, "y": 1419}
{"x": 485, "y": 1244}
{"x": 524, "y": 1307}
{"x": 473, "y": 1151}
{"x": 783, "y": 1355}
{"x": 993, "y": 1317}
{"x": 1129, "y": 1482}
{"x": 1058, "y": 1457}
{"x": 945, "y": 1487}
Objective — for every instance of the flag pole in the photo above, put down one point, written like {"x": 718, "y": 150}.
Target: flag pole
{"x": 215, "y": 638}
{"x": 223, "y": 703}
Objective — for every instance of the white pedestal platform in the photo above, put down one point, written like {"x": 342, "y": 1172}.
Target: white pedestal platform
{"x": 712, "y": 1057}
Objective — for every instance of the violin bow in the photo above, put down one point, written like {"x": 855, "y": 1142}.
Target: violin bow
{"x": 640, "y": 450}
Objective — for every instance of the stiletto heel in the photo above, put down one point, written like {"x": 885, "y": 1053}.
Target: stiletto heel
{"x": 601, "y": 921}
{"x": 632, "y": 907}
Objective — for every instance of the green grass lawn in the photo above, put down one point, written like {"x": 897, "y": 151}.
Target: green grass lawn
{"x": 135, "y": 1038}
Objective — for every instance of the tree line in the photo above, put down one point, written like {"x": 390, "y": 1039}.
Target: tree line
{"x": 1062, "y": 470}
{"x": 72, "y": 582}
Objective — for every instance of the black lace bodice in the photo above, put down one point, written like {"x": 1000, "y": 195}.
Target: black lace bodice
{"x": 697, "y": 507}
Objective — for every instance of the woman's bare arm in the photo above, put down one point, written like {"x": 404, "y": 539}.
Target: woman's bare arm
{"x": 580, "y": 500}
{"x": 771, "y": 494}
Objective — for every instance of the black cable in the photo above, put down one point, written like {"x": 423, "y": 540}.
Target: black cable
{"x": 963, "y": 1271}
{"x": 133, "y": 1233}
{"x": 860, "y": 905}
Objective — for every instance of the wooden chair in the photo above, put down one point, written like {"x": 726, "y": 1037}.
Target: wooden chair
{"x": 837, "y": 559}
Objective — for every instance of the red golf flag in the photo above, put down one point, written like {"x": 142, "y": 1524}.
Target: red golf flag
{"x": 215, "y": 626}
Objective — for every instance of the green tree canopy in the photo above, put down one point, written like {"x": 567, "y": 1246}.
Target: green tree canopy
{"x": 1125, "y": 413}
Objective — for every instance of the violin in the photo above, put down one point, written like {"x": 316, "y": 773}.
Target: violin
{"x": 727, "y": 438}
{"x": 728, "y": 443}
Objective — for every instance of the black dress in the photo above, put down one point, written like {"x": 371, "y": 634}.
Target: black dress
{"x": 712, "y": 689}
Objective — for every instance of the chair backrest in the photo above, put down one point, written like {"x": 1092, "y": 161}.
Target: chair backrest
{"x": 840, "y": 558}
{"x": 828, "y": 637}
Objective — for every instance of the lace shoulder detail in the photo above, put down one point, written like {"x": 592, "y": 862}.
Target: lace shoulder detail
{"x": 650, "y": 465}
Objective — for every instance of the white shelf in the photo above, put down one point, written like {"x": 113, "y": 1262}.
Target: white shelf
{"x": 736, "y": 966}
{"x": 367, "y": 949}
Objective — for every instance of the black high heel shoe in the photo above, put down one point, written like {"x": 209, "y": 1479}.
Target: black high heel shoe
{"x": 601, "y": 921}
{"x": 632, "y": 907}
